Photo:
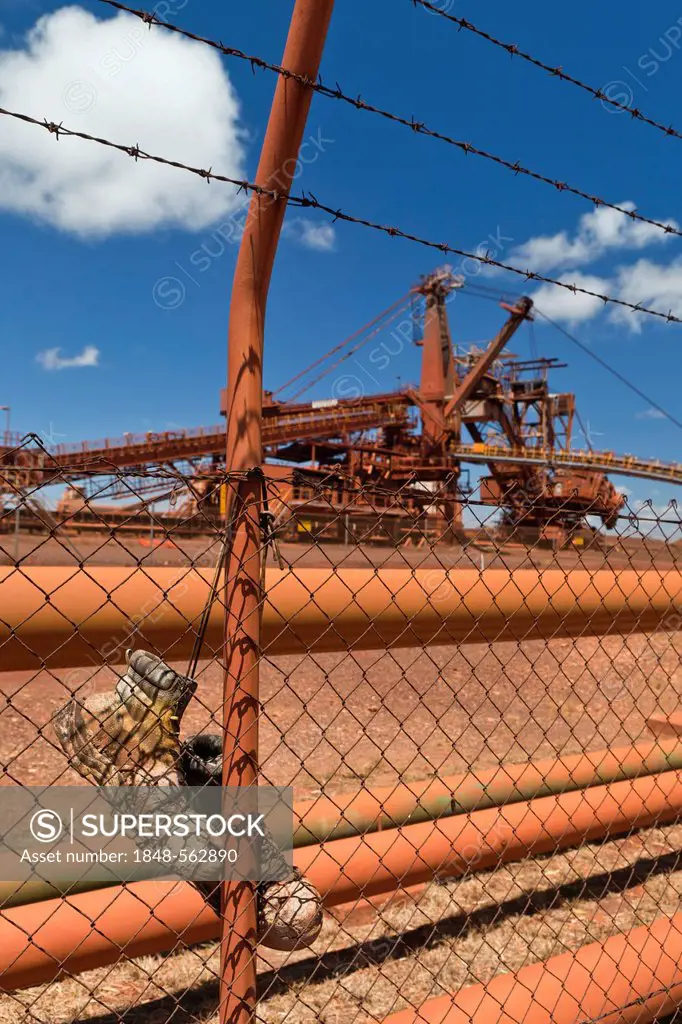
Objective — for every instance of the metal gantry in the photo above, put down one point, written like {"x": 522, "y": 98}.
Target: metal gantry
{"x": 481, "y": 405}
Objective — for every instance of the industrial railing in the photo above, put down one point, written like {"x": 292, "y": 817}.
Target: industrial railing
{"x": 66, "y": 451}
{"x": 159, "y": 448}
{"x": 344, "y": 418}
{"x": 607, "y": 462}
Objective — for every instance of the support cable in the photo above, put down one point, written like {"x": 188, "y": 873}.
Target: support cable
{"x": 614, "y": 373}
{"x": 352, "y": 351}
{"x": 341, "y": 345}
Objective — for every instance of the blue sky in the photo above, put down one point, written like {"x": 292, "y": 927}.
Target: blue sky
{"x": 84, "y": 250}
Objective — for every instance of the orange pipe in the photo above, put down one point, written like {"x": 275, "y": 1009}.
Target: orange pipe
{"x": 348, "y": 869}
{"x": 365, "y": 609}
{"x": 629, "y": 979}
{"x": 364, "y": 810}
{"x": 63, "y": 933}
{"x": 45, "y": 941}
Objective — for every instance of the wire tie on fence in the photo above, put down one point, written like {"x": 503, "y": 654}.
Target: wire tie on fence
{"x": 206, "y": 613}
{"x": 267, "y": 520}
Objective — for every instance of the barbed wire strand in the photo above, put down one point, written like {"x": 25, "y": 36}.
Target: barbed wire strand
{"x": 556, "y": 71}
{"x": 418, "y": 127}
{"x": 309, "y": 201}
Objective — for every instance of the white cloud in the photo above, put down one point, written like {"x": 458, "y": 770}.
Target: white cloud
{"x": 321, "y": 237}
{"x": 647, "y": 283}
{"x": 114, "y": 78}
{"x": 651, "y": 414}
{"x": 545, "y": 252}
{"x": 561, "y": 304}
{"x": 656, "y": 285}
{"x": 598, "y": 232}
{"x": 50, "y": 359}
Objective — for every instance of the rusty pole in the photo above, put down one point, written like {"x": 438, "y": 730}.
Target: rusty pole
{"x": 243, "y": 586}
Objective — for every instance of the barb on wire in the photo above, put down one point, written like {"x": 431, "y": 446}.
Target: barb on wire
{"x": 556, "y": 71}
{"x": 418, "y": 127}
{"x": 310, "y": 202}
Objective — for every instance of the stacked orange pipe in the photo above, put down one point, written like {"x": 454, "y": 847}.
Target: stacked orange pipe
{"x": 41, "y": 941}
{"x": 349, "y": 869}
{"x": 366, "y": 810}
{"x": 408, "y": 803}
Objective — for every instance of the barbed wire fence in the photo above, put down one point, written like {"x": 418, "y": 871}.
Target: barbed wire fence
{"x": 308, "y": 201}
{"x": 474, "y": 700}
{"x": 417, "y": 127}
{"x": 555, "y": 71}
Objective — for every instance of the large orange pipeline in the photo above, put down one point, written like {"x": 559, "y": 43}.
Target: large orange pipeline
{"x": 629, "y": 979}
{"x": 348, "y": 869}
{"x": 320, "y": 609}
{"x": 44, "y": 941}
{"x": 64, "y": 937}
{"x": 366, "y": 810}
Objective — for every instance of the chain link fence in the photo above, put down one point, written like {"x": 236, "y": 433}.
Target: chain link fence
{"x": 476, "y": 712}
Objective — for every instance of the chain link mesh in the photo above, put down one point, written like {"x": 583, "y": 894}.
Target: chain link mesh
{"x": 455, "y": 713}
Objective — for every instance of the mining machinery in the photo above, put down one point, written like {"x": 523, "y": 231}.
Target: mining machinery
{"x": 498, "y": 401}
{"x": 335, "y": 463}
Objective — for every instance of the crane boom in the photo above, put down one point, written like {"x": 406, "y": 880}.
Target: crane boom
{"x": 466, "y": 387}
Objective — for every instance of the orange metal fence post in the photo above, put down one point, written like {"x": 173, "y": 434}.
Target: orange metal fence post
{"x": 243, "y": 596}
